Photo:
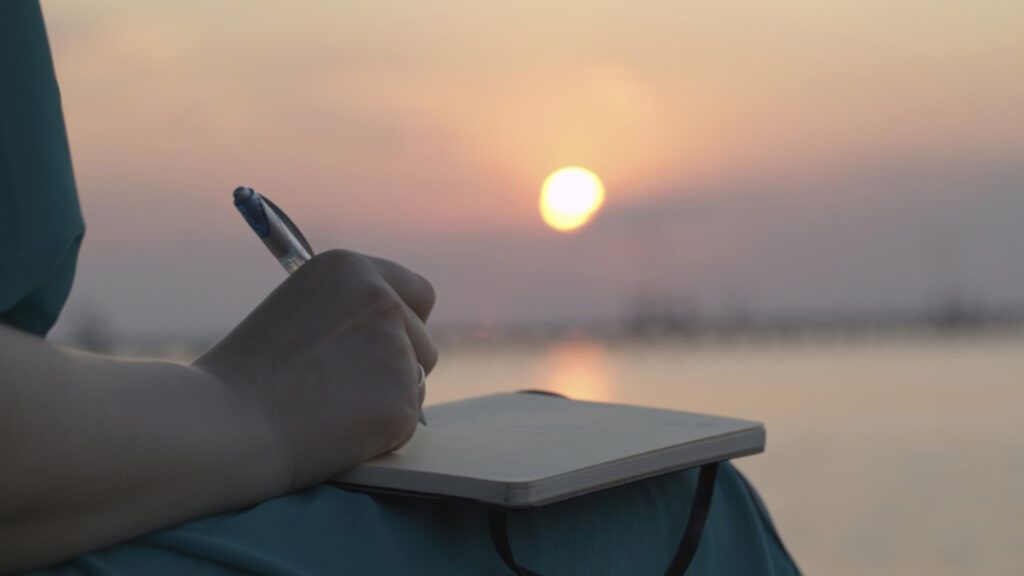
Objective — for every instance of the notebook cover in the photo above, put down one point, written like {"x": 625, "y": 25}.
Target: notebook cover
{"x": 520, "y": 450}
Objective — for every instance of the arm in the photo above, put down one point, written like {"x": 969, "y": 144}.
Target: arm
{"x": 95, "y": 449}
{"x": 321, "y": 376}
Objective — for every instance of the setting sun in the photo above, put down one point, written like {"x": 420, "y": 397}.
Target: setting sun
{"x": 570, "y": 197}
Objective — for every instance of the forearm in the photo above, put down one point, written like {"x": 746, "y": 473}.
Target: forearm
{"x": 96, "y": 451}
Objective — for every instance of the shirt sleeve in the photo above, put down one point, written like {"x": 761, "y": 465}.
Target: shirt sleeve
{"x": 41, "y": 223}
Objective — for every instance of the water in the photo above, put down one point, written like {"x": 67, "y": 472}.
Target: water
{"x": 893, "y": 455}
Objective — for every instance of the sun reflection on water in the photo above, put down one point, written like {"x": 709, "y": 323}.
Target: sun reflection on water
{"x": 580, "y": 370}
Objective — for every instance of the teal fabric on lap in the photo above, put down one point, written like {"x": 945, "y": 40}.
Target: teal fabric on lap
{"x": 40, "y": 222}
{"x": 632, "y": 529}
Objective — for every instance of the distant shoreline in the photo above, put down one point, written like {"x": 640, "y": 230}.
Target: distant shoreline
{"x": 788, "y": 331}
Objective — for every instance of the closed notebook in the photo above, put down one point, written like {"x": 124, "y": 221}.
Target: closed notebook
{"x": 522, "y": 449}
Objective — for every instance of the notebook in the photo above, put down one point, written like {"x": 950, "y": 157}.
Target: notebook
{"x": 527, "y": 449}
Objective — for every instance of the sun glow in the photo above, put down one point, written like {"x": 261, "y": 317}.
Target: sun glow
{"x": 570, "y": 197}
{"x": 580, "y": 370}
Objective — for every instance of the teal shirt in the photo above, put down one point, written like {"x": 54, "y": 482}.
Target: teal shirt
{"x": 40, "y": 223}
{"x": 631, "y": 529}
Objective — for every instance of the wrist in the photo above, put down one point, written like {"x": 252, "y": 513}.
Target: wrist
{"x": 259, "y": 454}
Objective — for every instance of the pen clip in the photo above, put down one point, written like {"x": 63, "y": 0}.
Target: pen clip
{"x": 291, "y": 225}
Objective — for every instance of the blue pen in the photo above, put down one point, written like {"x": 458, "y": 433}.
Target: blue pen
{"x": 273, "y": 226}
{"x": 282, "y": 237}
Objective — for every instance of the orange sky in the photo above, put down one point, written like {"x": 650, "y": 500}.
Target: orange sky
{"x": 440, "y": 120}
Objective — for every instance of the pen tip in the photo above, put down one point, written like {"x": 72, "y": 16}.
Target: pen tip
{"x": 242, "y": 193}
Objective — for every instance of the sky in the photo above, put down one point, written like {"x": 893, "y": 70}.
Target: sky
{"x": 762, "y": 159}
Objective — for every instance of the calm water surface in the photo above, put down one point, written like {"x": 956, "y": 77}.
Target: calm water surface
{"x": 893, "y": 455}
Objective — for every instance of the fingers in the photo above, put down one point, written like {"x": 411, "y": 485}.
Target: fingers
{"x": 426, "y": 352}
{"x": 408, "y": 424}
{"x": 386, "y": 285}
{"x": 349, "y": 267}
{"x": 412, "y": 288}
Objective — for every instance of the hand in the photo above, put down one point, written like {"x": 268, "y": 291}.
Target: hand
{"x": 329, "y": 362}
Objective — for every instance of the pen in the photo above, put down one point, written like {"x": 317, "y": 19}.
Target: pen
{"x": 282, "y": 237}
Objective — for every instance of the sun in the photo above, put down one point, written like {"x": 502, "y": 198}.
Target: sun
{"x": 570, "y": 197}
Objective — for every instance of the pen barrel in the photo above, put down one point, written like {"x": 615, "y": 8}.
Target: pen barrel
{"x": 284, "y": 245}
{"x": 292, "y": 262}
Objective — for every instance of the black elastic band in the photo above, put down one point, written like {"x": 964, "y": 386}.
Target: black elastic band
{"x": 498, "y": 519}
{"x": 499, "y": 535}
{"x": 695, "y": 525}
